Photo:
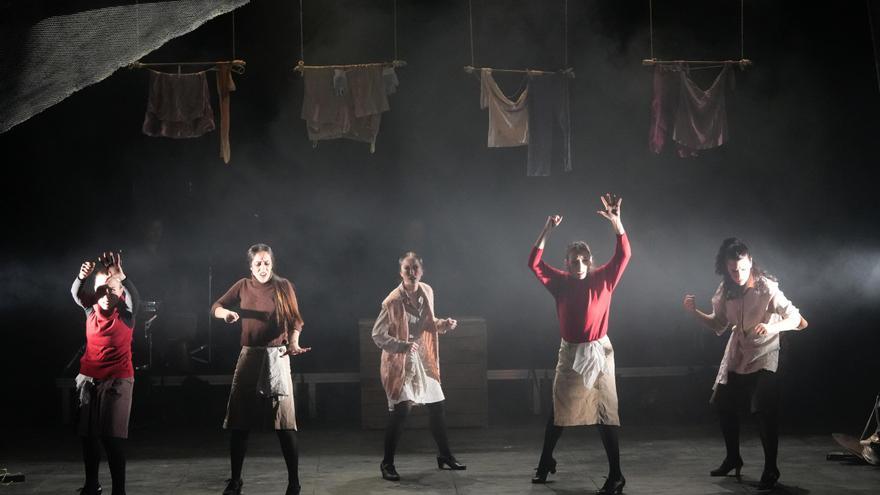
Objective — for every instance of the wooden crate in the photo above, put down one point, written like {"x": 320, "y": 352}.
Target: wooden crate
{"x": 462, "y": 374}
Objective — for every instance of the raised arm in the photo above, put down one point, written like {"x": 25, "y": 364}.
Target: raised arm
{"x": 543, "y": 271}
{"x": 76, "y": 289}
{"x": 613, "y": 270}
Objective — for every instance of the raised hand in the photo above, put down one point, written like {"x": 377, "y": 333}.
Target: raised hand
{"x": 611, "y": 206}
{"x": 86, "y": 269}
{"x": 690, "y": 303}
{"x": 115, "y": 267}
{"x": 553, "y": 221}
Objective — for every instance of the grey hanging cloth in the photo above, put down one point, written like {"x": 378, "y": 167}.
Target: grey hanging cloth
{"x": 549, "y": 124}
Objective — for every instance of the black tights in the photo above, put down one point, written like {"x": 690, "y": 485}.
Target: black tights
{"x": 610, "y": 440}
{"x": 760, "y": 390}
{"x": 397, "y": 418}
{"x": 238, "y": 448}
{"x": 113, "y": 446}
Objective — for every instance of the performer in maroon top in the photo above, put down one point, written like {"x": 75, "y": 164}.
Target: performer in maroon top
{"x": 584, "y": 388}
{"x": 262, "y": 385}
{"x": 106, "y": 375}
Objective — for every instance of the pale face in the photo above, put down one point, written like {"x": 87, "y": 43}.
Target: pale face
{"x": 261, "y": 267}
{"x": 739, "y": 270}
{"x": 578, "y": 265}
{"x": 411, "y": 272}
{"x": 108, "y": 291}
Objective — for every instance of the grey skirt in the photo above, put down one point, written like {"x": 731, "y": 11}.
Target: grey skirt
{"x": 251, "y": 405}
{"x": 107, "y": 408}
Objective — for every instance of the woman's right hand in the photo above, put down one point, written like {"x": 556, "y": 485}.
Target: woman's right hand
{"x": 412, "y": 346}
{"x": 690, "y": 303}
{"x": 553, "y": 221}
{"x": 86, "y": 269}
{"x": 231, "y": 317}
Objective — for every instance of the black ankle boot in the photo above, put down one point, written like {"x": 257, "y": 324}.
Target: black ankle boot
{"x": 448, "y": 460}
{"x": 612, "y": 486}
{"x": 542, "y": 470}
{"x": 727, "y": 466}
{"x": 388, "y": 472}
{"x": 292, "y": 488}
{"x": 768, "y": 479}
{"x": 233, "y": 487}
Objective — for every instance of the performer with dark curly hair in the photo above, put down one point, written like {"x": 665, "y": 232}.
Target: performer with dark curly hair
{"x": 749, "y": 303}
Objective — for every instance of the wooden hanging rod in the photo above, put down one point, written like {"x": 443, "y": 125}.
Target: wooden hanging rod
{"x": 743, "y": 63}
{"x": 237, "y": 65}
{"x": 470, "y": 69}
{"x": 301, "y": 66}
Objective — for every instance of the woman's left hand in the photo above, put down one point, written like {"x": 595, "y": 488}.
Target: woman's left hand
{"x": 764, "y": 329}
{"x": 294, "y": 350}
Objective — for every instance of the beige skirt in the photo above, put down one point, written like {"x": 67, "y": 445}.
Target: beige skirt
{"x": 573, "y": 403}
{"x": 249, "y": 407}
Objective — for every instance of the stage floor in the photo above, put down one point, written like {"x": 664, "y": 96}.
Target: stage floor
{"x": 655, "y": 460}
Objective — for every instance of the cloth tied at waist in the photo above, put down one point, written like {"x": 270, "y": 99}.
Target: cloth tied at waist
{"x": 589, "y": 361}
{"x": 272, "y": 382}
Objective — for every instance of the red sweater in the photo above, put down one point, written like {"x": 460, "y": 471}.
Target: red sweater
{"x": 108, "y": 347}
{"x": 108, "y": 337}
{"x": 583, "y": 305}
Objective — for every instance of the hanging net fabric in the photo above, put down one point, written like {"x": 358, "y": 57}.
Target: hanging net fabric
{"x": 45, "y": 63}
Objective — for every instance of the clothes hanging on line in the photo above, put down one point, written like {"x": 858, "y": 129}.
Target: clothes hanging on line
{"x": 539, "y": 117}
{"x": 508, "y": 119}
{"x": 178, "y": 106}
{"x": 549, "y": 124}
{"x": 693, "y": 118}
{"x": 353, "y": 113}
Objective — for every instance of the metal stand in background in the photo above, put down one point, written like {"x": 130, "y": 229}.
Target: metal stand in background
{"x": 149, "y": 308}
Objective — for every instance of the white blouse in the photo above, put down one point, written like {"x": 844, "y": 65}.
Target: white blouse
{"x": 747, "y": 352}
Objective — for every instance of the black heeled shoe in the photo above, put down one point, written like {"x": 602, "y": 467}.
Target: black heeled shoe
{"x": 542, "y": 471}
{"x": 388, "y": 472}
{"x": 612, "y": 486}
{"x": 450, "y": 463}
{"x": 233, "y": 487}
{"x": 727, "y": 466}
{"x": 768, "y": 479}
{"x": 292, "y": 489}
{"x": 93, "y": 491}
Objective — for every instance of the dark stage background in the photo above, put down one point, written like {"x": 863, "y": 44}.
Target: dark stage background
{"x": 795, "y": 182}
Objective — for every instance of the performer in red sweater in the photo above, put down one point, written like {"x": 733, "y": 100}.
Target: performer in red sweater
{"x": 106, "y": 375}
{"x": 584, "y": 389}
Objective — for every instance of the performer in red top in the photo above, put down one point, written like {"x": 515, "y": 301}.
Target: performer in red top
{"x": 106, "y": 375}
{"x": 584, "y": 388}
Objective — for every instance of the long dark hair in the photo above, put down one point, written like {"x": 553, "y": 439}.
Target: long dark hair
{"x": 287, "y": 314}
{"x": 733, "y": 249}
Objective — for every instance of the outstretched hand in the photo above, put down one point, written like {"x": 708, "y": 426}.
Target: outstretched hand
{"x": 611, "y": 206}
{"x": 295, "y": 350}
{"x": 113, "y": 262}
